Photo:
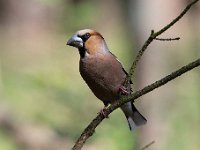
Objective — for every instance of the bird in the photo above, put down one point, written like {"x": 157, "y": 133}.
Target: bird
{"x": 103, "y": 73}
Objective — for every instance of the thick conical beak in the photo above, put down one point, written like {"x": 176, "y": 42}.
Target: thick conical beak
{"x": 75, "y": 41}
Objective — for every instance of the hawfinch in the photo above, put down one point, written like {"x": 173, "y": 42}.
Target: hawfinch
{"x": 103, "y": 73}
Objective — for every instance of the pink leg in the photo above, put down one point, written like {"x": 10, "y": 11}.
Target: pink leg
{"x": 123, "y": 90}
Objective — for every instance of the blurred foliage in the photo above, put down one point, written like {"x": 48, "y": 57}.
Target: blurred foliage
{"x": 79, "y": 15}
{"x": 6, "y": 142}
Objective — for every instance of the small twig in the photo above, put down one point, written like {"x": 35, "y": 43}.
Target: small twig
{"x": 176, "y": 19}
{"x": 167, "y": 39}
{"x": 139, "y": 55}
{"x": 148, "y": 145}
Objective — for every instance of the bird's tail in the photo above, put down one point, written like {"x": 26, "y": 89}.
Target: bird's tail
{"x": 133, "y": 115}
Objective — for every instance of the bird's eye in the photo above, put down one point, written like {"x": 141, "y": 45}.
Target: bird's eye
{"x": 86, "y": 36}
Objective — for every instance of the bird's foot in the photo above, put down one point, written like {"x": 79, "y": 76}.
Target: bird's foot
{"x": 102, "y": 112}
{"x": 123, "y": 90}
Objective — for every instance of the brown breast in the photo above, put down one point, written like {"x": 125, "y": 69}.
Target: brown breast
{"x": 104, "y": 75}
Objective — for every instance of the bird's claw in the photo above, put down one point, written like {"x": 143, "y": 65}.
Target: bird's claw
{"x": 123, "y": 90}
{"x": 102, "y": 112}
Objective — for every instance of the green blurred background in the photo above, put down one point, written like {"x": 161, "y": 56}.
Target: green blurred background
{"x": 44, "y": 103}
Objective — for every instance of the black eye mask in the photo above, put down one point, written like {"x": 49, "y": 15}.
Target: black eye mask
{"x": 85, "y": 37}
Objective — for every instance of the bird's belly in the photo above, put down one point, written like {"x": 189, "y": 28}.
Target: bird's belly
{"x": 103, "y": 77}
{"x": 104, "y": 88}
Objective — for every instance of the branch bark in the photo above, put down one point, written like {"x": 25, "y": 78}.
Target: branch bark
{"x": 89, "y": 130}
{"x": 95, "y": 122}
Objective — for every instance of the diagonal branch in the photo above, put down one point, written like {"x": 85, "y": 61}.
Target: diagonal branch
{"x": 152, "y": 37}
{"x": 89, "y": 130}
{"x": 157, "y": 84}
{"x": 95, "y": 122}
{"x": 176, "y": 19}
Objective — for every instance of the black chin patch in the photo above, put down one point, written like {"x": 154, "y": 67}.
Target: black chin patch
{"x": 82, "y": 52}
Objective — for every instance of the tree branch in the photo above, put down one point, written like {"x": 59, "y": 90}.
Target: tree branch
{"x": 89, "y": 130}
{"x": 152, "y": 37}
{"x": 95, "y": 122}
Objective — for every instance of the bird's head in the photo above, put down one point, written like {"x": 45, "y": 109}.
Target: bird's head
{"x": 88, "y": 42}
